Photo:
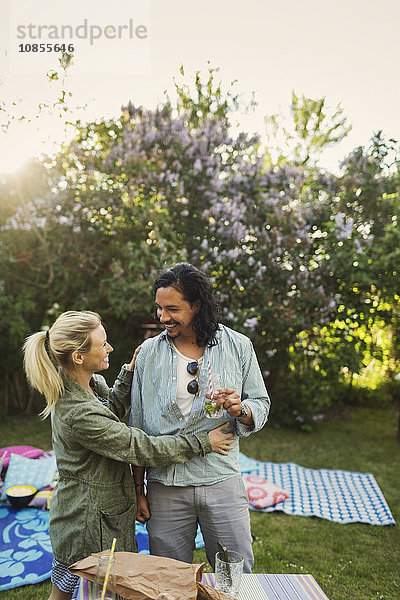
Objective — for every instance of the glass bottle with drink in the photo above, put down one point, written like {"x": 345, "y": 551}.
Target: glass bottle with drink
{"x": 98, "y": 583}
{"x": 211, "y": 409}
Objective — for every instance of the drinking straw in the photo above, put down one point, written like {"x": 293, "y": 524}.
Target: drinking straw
{"x": 209, "y": 380}
{"x": 103, "y": 592}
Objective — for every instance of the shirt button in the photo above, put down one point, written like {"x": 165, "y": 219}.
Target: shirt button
{"x": 174, "y": 378}
{"x": 181, "y": 418}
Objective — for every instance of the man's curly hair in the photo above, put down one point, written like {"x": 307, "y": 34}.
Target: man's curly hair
{"x": 194, "y": 285}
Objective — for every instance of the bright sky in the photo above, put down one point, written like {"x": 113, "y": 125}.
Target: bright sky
{"x": 345, "y": 50}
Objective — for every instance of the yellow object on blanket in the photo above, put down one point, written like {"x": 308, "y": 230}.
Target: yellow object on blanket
{"x": 43, "y": 498}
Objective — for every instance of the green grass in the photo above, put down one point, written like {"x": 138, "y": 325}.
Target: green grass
{"x": 350, "y": 562}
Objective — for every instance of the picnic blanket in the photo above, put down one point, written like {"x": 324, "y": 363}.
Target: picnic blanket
{"x": 25, "y": 550}
{"x": 341, "y": 496}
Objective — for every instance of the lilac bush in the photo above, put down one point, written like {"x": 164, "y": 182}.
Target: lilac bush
{"x": 295, "y": 253}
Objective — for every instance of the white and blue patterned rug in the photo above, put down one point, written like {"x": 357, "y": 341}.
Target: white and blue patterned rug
{"x": 341, "y": 496}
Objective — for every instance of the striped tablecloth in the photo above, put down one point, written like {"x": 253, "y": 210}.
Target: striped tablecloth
{"x": 276, "y": 587}
{"x": 253, "y": 587}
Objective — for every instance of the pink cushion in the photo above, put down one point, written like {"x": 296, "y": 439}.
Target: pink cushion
{"x": 263, "y": 493}
{"x": 27, "y": 451}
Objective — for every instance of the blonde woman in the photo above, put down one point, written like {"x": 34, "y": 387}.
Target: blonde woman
{"x": 94, "y": 499}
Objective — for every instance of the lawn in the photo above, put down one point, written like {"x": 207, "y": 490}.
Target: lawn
{"x": 350, "y": 562}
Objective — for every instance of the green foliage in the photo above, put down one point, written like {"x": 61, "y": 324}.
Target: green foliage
{"x": 208, "y": 97}
{"x": 313, "y": 127}
{"x": 304, "y": 262}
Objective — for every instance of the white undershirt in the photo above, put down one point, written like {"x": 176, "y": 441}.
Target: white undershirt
{"x": 183, "y": 399}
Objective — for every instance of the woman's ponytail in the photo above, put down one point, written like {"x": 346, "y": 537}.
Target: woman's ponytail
{"x": 40, "y": 370}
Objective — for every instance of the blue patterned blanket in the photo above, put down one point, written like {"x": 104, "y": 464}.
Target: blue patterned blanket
{"x": 25, "y": 550}
{"x": 341, "y": 496}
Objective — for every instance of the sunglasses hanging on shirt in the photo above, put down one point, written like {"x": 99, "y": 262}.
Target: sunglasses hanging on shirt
{"x": 193, "y": 369}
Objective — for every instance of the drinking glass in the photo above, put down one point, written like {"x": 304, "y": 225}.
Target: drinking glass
{"x": 228, "y": 574}
{"x": 210, "y": 411}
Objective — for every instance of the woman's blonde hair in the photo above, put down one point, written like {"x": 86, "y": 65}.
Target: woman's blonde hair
{"x": 48, "y": 353}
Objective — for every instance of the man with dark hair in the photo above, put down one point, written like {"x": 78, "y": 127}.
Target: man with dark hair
{"x": 170, "y": 383}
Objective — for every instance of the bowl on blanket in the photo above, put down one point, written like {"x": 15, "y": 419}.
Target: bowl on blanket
{"x": 20, "y": 495}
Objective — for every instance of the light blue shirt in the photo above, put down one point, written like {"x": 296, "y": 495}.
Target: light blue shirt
{"x": 154, "y": 407}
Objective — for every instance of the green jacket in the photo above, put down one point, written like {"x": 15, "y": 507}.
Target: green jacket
{"x": 94, "y": 499}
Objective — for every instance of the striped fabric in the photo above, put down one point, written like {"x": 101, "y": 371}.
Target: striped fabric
{"x": 276, "y": 587}
{"x": 62, "y": 578}
{"x": 255, "y": 587}
{"x": 84, "y": 591}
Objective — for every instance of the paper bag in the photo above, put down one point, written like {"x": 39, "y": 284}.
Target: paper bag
{"x": 206, "y": 592}
{"x": 144, "y": 577}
